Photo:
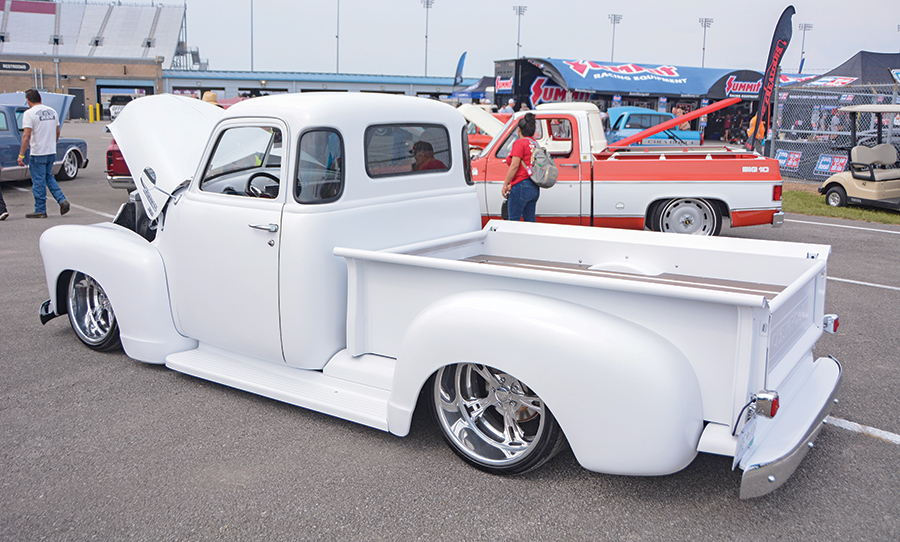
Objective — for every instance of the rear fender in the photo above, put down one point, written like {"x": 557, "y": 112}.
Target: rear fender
{"x": 132, "y": 273}
{"x": 627, "y": 400}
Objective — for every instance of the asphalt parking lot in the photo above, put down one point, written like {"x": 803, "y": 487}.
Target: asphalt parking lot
{"x": 98, "y": 446}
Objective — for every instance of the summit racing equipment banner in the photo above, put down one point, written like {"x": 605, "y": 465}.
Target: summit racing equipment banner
{"x": 606, "y": 77}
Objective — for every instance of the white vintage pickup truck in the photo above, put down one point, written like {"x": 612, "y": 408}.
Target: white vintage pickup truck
{"x": 309, "y": 248}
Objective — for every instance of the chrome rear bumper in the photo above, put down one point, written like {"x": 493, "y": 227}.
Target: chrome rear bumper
{"x": 768, "y": 475}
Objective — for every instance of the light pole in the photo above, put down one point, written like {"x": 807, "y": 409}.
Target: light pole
{"x": 427, "y": 5}
{"x": 337, "y": 37}
{"x": 615, "y": 19}
{"x": 803, "y": 27}
{"x": 251, "y": 35}
{"x": 705, "y": 22}
{"x": 520, "y": 10}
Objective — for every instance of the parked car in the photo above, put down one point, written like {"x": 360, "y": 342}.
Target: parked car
{"x": 117, "y": 173}
{"x": 872, "y": 177}
{"x": 627, "y": 121}
{"x": 366, "y": 284}
{"x": 71, "y": 153}
{"x": 116, "y": 104}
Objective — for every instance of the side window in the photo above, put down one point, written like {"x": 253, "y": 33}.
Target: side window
{"x": 246, "y": 161}
{"x": 3, "y": 126}
{"x": 320, "y": 167}
{"x": 406, "y": 149}
{"x": 504, "y": 149}
{"x": 19, "y": 114}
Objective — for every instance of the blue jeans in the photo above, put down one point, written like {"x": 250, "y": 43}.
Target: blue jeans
{"x": 41, "y": 168}
{"x": 523, "y": 198}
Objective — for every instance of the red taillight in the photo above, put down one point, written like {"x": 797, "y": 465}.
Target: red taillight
{"x": 776, "y": 192}
{"x": 830, "y": 323}
{"x": 766, "y": 403}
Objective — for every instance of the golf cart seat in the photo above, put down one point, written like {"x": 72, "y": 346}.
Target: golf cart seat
{"x": 878, "y": 163}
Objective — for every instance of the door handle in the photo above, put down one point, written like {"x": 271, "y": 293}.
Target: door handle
{"x": 267, "y": 227}
{"x": 569, "y": 165}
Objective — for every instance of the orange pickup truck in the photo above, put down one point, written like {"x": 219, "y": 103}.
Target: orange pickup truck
{"x": 680, "y": 189}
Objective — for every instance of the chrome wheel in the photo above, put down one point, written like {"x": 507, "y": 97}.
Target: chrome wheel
{"x": 692, "y": 216}
{"x": 493, "y": 420}
{"x": 91, "y": 313}
{"x": 69, "y": 167}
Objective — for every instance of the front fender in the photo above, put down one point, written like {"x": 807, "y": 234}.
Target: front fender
{"x": 627, "y": 399}
{"x": 132, "y": 273}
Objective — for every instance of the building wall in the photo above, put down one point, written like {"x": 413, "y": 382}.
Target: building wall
{"x": 67, "y": 74}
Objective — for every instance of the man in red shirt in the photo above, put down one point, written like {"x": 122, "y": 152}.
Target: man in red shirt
{"x": 423, "y": 152}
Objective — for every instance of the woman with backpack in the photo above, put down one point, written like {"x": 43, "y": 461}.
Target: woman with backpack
{"x": 518, "y": 188}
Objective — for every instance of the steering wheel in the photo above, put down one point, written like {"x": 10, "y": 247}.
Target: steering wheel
{"x": 255, "y": 190}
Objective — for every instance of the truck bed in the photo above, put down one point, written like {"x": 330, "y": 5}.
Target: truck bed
{"x": 708, "y": 296}
{"x": 769, "y": 291}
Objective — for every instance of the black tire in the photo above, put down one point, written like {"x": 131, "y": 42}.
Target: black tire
{"x": 691, "y": 216}
{"x": 70, "y": 165}
{"x": 91, "y": 314}
{"x": 493, "y": 421}
{"x": 836, "y": 196}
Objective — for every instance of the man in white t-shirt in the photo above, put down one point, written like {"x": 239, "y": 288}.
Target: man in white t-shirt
{"x": 41, "y": 125}
{"x": 509, "y": 107}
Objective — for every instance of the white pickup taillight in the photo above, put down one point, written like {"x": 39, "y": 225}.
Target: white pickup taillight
{"x": 766, "y": 403}
{"x": 830, "y": 323}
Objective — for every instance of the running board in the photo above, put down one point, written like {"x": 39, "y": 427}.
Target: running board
{"x": 301, "y": 387}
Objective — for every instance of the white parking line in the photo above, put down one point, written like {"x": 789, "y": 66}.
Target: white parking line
{"x": 841, "y": 226}
{"x": 848, "y": 281}
{"x": 83, "y": 208}
{"x": 893, "y": 438}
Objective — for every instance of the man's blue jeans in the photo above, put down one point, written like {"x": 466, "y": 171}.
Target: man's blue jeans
{"x": 523, "y": 198}
{"x": 41, "y": 169}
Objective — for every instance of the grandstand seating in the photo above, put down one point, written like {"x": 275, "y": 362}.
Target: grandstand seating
{"x": 103, "y": 30}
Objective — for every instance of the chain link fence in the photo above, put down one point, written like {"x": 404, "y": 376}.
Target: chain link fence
{"x": 811, "y": 138}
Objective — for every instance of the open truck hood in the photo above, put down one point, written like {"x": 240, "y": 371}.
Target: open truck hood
{"x": 59, "y": 102}
{"x": 488, "y": 123}
{"x": 162, "y": 138}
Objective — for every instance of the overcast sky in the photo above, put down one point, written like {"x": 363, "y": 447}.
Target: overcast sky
{"x": 388, "y": 36}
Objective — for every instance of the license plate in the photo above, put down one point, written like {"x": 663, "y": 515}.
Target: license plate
{"x": 745, "y": 441}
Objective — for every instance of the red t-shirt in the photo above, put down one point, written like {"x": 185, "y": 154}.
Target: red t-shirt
{"x": 521, "y": 148}
{"x": 434, "y": 163}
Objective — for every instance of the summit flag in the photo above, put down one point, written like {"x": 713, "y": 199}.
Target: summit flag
{"x": 780, "y": 41}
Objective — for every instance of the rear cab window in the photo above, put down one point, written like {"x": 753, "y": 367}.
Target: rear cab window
{"x": 406, "y": 149}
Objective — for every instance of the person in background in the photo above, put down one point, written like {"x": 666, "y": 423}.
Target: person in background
{"x": 518, "y": 187}
{"x": 3, "y": 212}
{"x": 41, "y": 124}
{"x": 758, "y": 132}
{"x": 509, "y": 107}
{"x": 211, "y": 98}
{"x": 423, "y": 152}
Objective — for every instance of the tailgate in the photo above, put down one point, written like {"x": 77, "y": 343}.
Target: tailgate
{"x": 770, "y": 449}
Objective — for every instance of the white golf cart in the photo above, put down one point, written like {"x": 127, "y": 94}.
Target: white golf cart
{"x": 872, "y": 178}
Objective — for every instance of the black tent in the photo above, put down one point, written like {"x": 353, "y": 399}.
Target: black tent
{"x": 866, "y": 68}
